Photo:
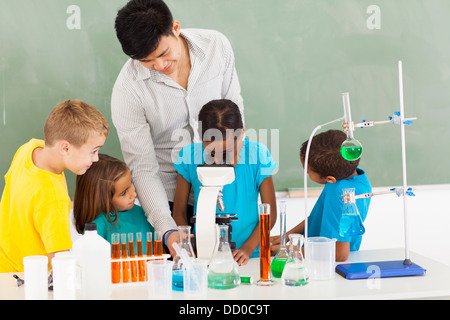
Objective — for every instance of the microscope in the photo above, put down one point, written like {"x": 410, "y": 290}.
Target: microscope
{"x": 213, "y": 177}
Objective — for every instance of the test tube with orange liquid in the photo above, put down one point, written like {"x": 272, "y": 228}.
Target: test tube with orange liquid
{"x": 132, "y": 254}
{"x": 115, "y": 254}
{"x": 158, "y": 248}
{"x": 149, "y": 244}
{"x": 140, "y": 254}
{"x": 125, "y": 264}
{"x": 264, "y": 246}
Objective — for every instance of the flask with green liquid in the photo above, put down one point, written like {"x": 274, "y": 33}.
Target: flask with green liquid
{"x": 223, "y": 270}
{"x": 280, "y": 258}
{"x": 351, "y": 149}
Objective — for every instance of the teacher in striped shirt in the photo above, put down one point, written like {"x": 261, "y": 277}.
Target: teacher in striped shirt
{"x": 171, "y": 74}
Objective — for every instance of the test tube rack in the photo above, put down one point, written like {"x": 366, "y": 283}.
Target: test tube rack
{"x": 140, "y": 274}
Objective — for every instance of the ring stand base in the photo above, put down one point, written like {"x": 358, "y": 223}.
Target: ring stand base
{"x": 380, "y": 269}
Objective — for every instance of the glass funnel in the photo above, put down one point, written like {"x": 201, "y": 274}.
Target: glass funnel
{"x": 351, "y": 224}
{"x": 223, "y": 270}
{"x": 295, "y": 272}
{"x": 281, "y": 257}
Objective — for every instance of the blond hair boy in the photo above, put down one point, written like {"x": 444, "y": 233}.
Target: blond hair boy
{"x": 35, "y": 204}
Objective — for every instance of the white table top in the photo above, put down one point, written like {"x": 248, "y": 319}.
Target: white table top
{"x": 436, "y": 283}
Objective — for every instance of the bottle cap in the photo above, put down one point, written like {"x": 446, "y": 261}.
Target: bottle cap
{"x": 90, "y": 227}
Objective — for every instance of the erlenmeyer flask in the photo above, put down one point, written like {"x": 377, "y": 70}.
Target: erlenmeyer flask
{"x": 184, "y": 242}
{"x": 223, "y": 270}
{"x": 351, "y": 224}
{"x": 282, "y": 255}
{"x": 295, "y": 272}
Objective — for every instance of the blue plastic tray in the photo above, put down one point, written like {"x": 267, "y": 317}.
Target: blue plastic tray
{"x": 380, "y": 269}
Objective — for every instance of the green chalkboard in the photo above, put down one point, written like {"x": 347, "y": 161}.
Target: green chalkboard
{"x": 294, "y": 59}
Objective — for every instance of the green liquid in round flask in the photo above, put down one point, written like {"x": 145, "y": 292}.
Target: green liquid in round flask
{"x": 351, "y": 149}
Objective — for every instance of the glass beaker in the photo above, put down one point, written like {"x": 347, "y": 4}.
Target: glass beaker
{"x": 280, "y": 258}
{"x": 350, "y": 224}
{"x": 321, "y": 257}
{"x": 223, "y": 270}
{"x": 295, "y": 272}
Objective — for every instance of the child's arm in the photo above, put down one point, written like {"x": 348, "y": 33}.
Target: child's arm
{"x": 180, "y": 201}
{"x": 275, "y": 240}
{"x": 342, "y": 250}
{"x": 267, "y": 191}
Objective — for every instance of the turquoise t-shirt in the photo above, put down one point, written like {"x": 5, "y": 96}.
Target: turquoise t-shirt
{"x": 241, "y": 196}
{"x": 133, "y": 220}
{"x": 326, "y": 214}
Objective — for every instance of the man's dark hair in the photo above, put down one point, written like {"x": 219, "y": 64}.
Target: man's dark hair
{"x": 140, "y": 24}
{"x": 325, "y": 157}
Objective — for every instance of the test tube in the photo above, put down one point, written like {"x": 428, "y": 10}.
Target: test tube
{"x": 115, "y": 254}
{"x": 131, "y": 254}
{"x": 158, "y": 249}
{"x": 140, "y": 254}
{"x": 149, "y": 244}
{"x": 264, "y": 246}
{"x": 125, "y": 264}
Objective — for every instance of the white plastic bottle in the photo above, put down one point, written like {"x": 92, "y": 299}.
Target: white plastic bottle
{"x": 93, "y": 254}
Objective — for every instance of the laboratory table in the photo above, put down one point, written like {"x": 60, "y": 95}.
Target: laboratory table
{"x": 435, "y": 284}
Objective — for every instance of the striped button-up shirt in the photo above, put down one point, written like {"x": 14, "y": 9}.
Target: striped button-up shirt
{"x": 155, "y": 117}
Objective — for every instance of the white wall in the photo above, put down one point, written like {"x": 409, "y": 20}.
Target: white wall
{"x": 428, "y": 221}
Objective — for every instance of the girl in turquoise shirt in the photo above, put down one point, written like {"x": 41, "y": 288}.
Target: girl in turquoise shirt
{"x": 222, "y": 133}
{"x": 105, "y": 195}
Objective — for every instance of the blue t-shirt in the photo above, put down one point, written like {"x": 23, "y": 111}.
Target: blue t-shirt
{"x": 241, "y": 196}
{"x": 133, "y": 220}
{"x": 326, "y": 214}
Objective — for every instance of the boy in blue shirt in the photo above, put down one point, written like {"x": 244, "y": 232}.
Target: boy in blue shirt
{"x": 327, "y": 166}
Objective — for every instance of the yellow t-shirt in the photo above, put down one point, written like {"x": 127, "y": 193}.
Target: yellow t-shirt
{"x": 34, "y": 211}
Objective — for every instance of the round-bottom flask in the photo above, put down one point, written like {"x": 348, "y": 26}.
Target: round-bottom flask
{"x": 351, "y": 149}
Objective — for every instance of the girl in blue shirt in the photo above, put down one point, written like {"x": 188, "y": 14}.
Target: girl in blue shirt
{"x": 105, "y": 195}
{"x": 222, "y": 134}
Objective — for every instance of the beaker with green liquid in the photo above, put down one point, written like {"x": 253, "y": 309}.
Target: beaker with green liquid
{"x": 223, "y": 270}
{"x": 280, "y": 258}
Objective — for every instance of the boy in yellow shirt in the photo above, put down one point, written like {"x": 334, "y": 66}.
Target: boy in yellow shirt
{"x": 35, "y": 204}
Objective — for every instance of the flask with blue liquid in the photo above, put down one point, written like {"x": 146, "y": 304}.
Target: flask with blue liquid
{"x": 351, "y": 224}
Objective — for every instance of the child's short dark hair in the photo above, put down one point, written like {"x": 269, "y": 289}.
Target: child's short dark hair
{"x": 325, "y": 157}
